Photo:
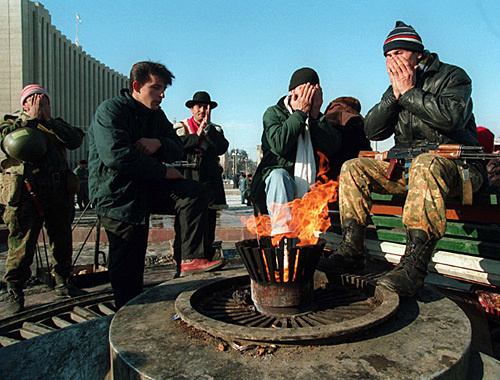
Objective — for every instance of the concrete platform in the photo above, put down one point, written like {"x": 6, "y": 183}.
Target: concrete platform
{"x": 78, "y": 352}
{"x": 82, "y": 351}
{"x": 428, "y": 338}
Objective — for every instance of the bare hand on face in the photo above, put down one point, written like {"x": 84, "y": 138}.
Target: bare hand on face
{"x": 173, "y": 173}
{"x": 302, "y": 97}
{"x": 204, "y": 122}
{"x": 317, "y": 101}
{"x": 147, "y": 146}
{"x": 38, "y": 106}
{"x": 401, "y": 74}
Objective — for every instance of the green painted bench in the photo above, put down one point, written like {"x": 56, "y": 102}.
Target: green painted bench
{"x": 470, "y": 250}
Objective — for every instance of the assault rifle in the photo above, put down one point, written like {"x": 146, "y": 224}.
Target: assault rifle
{"x": 408, "y": 153}
{"x": 405, "y": 154}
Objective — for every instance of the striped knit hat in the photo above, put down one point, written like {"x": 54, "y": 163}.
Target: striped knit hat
{"x": 32, "y": 89}
{"x": 403, "y": 37}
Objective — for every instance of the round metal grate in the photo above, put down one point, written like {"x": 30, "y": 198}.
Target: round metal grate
{"x": 225, "y": 309}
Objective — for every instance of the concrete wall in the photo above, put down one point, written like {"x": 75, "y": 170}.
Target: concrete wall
{"x": 78, "y": 352}
{"x": 34, "y": 51}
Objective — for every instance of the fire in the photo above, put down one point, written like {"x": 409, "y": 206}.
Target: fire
{"x": 309, "y": 218}
{"x": 309, "y": 213}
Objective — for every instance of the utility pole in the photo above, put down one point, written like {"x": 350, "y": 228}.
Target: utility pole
{"x": 235, "y": 155}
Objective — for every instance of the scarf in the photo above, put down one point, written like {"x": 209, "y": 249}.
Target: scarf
{"x": 305, "y": 164}
{"x": 193, "y": 127}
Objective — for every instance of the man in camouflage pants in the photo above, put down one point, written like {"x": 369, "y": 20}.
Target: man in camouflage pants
{"x": 34, "y": 156}
{"x": 428, "y": 102}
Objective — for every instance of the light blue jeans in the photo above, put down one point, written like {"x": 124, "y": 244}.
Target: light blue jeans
{"x": 280, "y": 189}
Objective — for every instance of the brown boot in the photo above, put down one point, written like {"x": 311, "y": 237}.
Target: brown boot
{"x": 407, "y": 278}
{"x": 350, "y": 256}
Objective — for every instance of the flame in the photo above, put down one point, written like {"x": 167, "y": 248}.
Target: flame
{"x": 309, "y": 213}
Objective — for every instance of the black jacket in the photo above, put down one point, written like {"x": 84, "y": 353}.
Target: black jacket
{"x": 437, "y": 110}
{"x": 204, "y": 152}
{"x": 120, "y": 176}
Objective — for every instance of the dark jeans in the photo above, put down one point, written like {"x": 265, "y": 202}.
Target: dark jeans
{"x": 128, "y": 242}
{"x": 127, "y": 251}
{"x": 209, "y": 251}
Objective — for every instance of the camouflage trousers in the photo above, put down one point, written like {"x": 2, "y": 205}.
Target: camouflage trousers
{"x": 25, "y": 222}
{"x": 431, "y": 180}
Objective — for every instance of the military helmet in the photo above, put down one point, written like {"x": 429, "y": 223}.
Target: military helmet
{"x": 25, "y": 144}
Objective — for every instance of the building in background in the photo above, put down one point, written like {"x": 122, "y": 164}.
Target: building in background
{"x": 34, "y": 51}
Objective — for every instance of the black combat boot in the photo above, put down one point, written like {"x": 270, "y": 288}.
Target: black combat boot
{"x": 407, "y": 278}
{"x": 14, "y": 299}
{"x": 350, "y": 256}
{"x": 65, "y": 289}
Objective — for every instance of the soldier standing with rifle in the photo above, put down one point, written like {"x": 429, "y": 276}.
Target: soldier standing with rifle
{"x": 428, "y": 102}
{"x": 37, "y": 186}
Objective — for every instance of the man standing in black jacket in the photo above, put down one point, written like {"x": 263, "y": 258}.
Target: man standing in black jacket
{"x": 130, "y": 141}
{"x": 427, "y": 102}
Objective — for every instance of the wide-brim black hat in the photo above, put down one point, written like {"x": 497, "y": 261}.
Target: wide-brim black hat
{"x": 201, "y": 97}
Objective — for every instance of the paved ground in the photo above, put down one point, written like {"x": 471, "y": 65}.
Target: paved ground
{"x": 159, "y": 265}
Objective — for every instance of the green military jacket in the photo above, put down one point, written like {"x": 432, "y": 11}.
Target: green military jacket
{"x": 59, "y": 136}
{"x": 279, "y": 144}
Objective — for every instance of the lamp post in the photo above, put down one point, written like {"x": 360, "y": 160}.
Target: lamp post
{"x": 235, "y": 155}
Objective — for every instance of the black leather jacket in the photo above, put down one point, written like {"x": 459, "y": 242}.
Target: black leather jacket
{"x": 437, "y": 110}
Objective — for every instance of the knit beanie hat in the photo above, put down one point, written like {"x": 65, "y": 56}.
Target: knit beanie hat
{"x": 486, "y": 139}
{"x": 303, "y": 75}
{"x": 32, "y": 89}
{"x": 403, "y": 37}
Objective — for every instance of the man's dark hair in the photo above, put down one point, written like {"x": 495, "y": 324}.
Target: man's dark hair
{"x": 142, "y": 71}
{"x": 83, "y": 162}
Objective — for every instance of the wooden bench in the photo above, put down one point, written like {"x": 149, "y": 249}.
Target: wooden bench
{"x": 470, "y": 250}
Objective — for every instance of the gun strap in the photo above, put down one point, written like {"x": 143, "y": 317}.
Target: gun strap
{"x": 34, "y": 198}
{"x": 466, "y": 185}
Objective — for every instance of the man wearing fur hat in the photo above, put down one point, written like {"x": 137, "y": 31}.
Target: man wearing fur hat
{"x": 203, "y": 143}
{"x": 36, "y": 187}
{"x": 427, "y": 102}
{"x": 294, "y": 131}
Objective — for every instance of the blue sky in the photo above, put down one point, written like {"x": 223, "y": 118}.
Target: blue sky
{"x": 244, "y": 52}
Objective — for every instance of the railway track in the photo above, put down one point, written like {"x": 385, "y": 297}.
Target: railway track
{"x": 55, "y": 316}
{"x": 58, "y": 315}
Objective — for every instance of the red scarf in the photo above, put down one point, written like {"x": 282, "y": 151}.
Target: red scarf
{"x": 193, "y": 127}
